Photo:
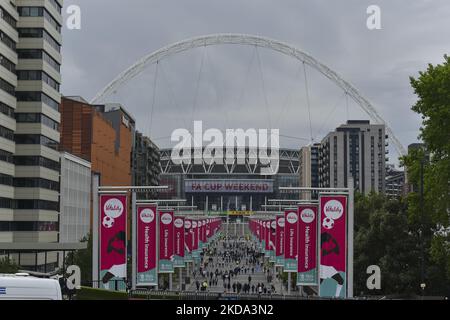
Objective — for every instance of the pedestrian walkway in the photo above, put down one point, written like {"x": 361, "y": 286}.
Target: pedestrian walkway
{"x": 227, "y": 266}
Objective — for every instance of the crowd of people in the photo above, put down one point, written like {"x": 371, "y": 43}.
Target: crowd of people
{"x": 231, "y": 264}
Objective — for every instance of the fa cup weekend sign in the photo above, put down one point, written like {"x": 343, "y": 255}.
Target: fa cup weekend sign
{"x": 147, "y": 273}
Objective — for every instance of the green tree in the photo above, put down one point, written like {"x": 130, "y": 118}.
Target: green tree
{"x": 8, "y": 266}
{"x": 429, "y": 215}
{"x": 383, "y": 237}
{"x": 433, "y": 90}
{"x": 83, "y": 259}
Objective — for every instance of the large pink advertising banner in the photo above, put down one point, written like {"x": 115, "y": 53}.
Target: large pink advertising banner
{"x": 333, "y": 246}
{"x": 291, "y": 240}
{"x": 188, "y": 240}
{"x": 179, "y": 242}
{"x": 113, "y": 238}
{"x": 166, "y": 246}
{"x": 195, "y": 235}
{"x": 258, "y": 230}
{"x": 203, "y": 233}
{"x": 208, "y": 229}
{"x": 279, "y": 241}
{"x": 307, "y": 245}
{"x": 267, "y": 237}
{"x": 147, "y": 271}
{"x": 196, "y": 240}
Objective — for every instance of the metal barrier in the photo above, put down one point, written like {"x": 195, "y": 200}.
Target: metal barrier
{"x": 198, "y": 295}
{"x": 114, "y": 284}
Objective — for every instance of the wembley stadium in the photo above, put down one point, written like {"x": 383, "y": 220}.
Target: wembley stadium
{"x": 232, "y": 188}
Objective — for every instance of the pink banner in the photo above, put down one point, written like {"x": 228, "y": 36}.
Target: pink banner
{"x": 208, "y": 229}
{"x": 279, "y": 236}
{"x": 307, "y": 245}
{"x": 279, "y": 241}
{"x": 267, "y": 234}
{"x": 203, "y": 231}
{"x": 291, "y": 240}
{"x": 258, "y": 230}
{"x": 146, "y": 244}
{"x": 194, "y": 235}
{"x": 166, "y": 236}
{"x": 179, "y": 236}
{"x": 333, "y": 245}
{"x": 113, "y": 237}
{"x": 188, "y": 235}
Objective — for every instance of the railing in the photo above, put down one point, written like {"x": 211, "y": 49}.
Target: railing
{"x": 195, "y": 295}
{"x": 114, "y": 284}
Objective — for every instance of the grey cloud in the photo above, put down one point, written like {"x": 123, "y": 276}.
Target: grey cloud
{"x": 115, "y": 33}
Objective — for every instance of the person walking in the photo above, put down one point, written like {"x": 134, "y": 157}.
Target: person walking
{"x": 197, "y": 284}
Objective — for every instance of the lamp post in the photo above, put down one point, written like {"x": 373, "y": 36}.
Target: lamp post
{"x": 422, "y": 248}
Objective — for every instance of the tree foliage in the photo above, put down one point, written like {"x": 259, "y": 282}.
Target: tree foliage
{"x": 83, "y": 259}
{"x": 383, "y": 237}
{"x": 8, "y": 266}
{"x": 433, "y": 90}
{"x": 393, "y": 233}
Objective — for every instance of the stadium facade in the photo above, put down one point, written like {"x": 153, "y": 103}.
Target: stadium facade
{"x": 230, "y": 188}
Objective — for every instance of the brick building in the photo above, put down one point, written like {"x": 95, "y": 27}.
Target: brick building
{"x": 101, "y": 134}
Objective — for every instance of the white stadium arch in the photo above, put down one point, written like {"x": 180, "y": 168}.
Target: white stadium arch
{"x": 251, "y": 40}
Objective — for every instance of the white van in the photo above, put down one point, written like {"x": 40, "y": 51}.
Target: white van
{"x": 21, "y": 286}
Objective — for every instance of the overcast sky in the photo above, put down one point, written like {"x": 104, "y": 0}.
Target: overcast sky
{"x": 244, "y": 87}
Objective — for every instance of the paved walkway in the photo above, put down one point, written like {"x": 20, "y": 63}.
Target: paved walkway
{"x": 226, "y": 255}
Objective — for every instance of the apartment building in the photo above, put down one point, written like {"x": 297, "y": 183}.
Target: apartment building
{"x": 30, "y": 58}
{"x": 356, "y": 149}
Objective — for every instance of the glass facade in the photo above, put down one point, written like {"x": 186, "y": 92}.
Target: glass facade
{"x": 75, "y": 199}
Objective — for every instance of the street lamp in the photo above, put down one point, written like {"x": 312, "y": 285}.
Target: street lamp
{"x": 422, "y": 286}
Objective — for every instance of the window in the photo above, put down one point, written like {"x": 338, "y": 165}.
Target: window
{"x": 31, "y": 32}
{"x": 8, "y": 18}
{"x": 6, "y": 203}
{"x": 36, "y": 183}
{"x": 7, "y": 64}
{"x": 39, "y": 54}
{"x": 37, "y": 205}
{"x": 52, "y": 62}
{"x": 6, "y": 180}
{"x": 29, "y": 53}
{"x": 39, "y": 33}
{"x": 6, "y": 133}
{"x": 52, "y": 21}
{"x": 7, "y": 87}
{"x": 29, "y": 96}
{"x": 6, "y": 156}
{"x": 36, "y": 161}
{"x": 51, "y": 41}
{"x": 29, "y": 226}
{"x": 39, "y": 12}
{"x": 7, "y": 41}
{"x": 36, "y": 139}
{"x": 56, "y": 5}
{"x": 6, "y": 110}
{"x": 37, "y": 118}
{"x": 34, "y": 75}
